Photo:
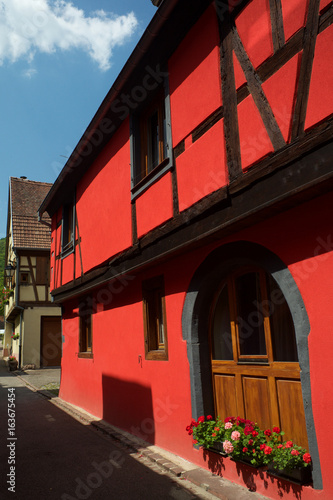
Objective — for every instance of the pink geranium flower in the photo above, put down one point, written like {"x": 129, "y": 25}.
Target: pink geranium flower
{"x": 228, "y": 447}
{"x": 235, "y": 435}
{"x": 228, "y": 425}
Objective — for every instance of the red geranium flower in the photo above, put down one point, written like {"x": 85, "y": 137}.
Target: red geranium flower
{"x": 195, "y": 441}
{"x": 213, "y": 434}
{"x": 248, "y": 429}
{"x": 246, "y": 449}
{"x": 262, "y": 446}
{"x": 253, "y": 451}
{"x": 216, "y": 428}
{"x": 289, "y": 444}
{"x": 307, "y": 458}
{"x": 255, "y": 433}
{"x": 277, "y": 430}
{"x": 268, "y": 432}
{"x": 268, "y": 450}
{"x": 209, "y": 417}
{"x": 294, "y": 453}
{"x": 190, "y": 432}
{"x": 250, "y": 441}
{"x": 201, "y": 419}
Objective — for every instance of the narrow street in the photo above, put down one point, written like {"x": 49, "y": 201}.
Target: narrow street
{"x": 46, "y": 454}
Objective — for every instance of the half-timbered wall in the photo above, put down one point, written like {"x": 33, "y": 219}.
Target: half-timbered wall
{"x": 250, "y": 96}
{"x": 249, "y": 91}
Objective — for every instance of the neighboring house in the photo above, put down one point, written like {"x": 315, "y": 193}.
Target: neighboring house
{"x": 191, "y": 233}
{"x": 30, "y": 316}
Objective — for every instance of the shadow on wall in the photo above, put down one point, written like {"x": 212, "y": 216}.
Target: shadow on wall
{"x": 128, "y": 405}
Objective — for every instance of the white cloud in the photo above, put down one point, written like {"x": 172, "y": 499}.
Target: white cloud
{"x": 29, "y": 73}
{"x": 31, "y": 26}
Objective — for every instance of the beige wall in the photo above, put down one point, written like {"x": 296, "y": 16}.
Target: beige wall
{"x": 32, "y": 333}
{"x": 8, "y": 342}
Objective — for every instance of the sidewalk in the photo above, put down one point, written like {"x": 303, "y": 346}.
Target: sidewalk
{"x": 36, "y": 380}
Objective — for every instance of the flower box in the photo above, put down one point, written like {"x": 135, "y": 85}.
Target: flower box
{"x": 247, "y": 462}
{"x": 218, "y": 448}
{"x": 298, "y": 475}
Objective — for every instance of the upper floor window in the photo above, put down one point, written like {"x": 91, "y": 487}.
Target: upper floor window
{"x": 151, "y": 144}
{"x": 68, "y": 228}
{"x": 153, "y": 136}
{"x": 154, "y": 317}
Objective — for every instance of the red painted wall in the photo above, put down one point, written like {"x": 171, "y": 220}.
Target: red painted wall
{"x": 320, "y": 102}
{"x": 294, "y": 16}
{"x": 154, "y": 206}
{"x": 254, "y": 27}
{"x": 67, "y": 264}
{"x": 194, "y": 77}
{"x": 103, "y": 203}
{"x": 160, "y": 390}
{"x": 201, "y": 169}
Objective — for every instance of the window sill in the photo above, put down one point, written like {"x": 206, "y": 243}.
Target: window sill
{"x": 85, "y": 355}
{"x": 67, "y": 251}
{"x": 151, "y": 178}
{"x": 157, "y": 355}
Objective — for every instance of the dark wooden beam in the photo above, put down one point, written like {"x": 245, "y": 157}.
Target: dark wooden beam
{"x": 175, "y": 197}
{"x": 259, "y": 97}
{"x": 134, "y": 224}
{"x": 301, "y": 146}
{"x": 309, "y": 44}
{"x": 292, "y": 184}
{"x": 277, "y": 24}
{"x": 229, "y": 99}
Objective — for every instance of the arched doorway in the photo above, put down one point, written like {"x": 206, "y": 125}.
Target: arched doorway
{"x": 254, "y": 360}
{"x": 212, "y": 281}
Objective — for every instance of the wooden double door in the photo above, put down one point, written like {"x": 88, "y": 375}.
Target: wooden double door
{"x": 254, "y": 359}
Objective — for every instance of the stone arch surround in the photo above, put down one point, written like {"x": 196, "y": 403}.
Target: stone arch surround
{"x": 195, "y": 325}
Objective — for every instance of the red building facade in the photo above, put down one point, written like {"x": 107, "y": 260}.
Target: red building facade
{"x": 191, "y": 236}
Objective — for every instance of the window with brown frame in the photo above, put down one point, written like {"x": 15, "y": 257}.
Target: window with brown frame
{"x": 24, "y": 278}
{"x": 151, "y": 140}
{"x": 154, "y": 318}
{"x": 152, "y": 136}
{"x": 85, "y": 330}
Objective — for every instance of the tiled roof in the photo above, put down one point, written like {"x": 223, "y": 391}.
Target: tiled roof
{"x": 26, "y": 198}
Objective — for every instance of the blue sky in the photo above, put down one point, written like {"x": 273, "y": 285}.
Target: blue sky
{"x": 58, "y": 59}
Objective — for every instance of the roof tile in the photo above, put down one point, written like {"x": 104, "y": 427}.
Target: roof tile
{"x": 26, "y": 198}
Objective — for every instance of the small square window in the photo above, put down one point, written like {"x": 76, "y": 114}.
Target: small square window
{"x": 24, "y": 278}
{"x": 85, "y": 330}
{"x": 154, "y": 317}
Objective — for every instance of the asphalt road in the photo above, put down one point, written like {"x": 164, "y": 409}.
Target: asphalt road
{"x": 46, "y": 454}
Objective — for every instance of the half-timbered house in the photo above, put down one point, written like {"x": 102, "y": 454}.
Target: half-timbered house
{"x": 192, "y": 237}
{"x": 32, "y": 321}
